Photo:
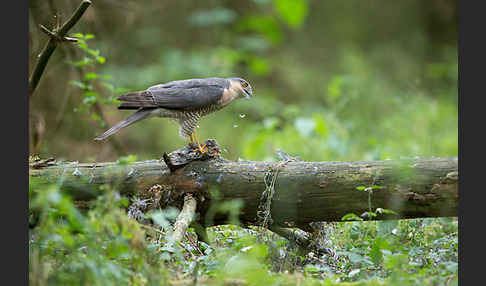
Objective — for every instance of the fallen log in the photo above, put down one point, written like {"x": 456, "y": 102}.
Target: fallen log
{"x": 303, "y": 192}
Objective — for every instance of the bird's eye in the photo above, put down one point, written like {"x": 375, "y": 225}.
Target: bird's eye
{"x": 244, "y": 84}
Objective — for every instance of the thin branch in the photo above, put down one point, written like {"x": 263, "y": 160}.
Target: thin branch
{"x": 185, "y": 218}
{"x": 47, "y": 31}
{"x": 54, "y": 38}
{"x": 69, "y": 39}
{"x": 148, "y": 227}
{"x": 74, "y": 18}
{"x": 300, "y": 237}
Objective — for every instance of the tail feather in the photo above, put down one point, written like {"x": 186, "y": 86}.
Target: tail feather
{"x": 139, "y": 115}
{"x": 135, "y": 105}
{"x": 137, "y": 99}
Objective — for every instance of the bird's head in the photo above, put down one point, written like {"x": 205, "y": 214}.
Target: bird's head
{"x": 243, "y": 87}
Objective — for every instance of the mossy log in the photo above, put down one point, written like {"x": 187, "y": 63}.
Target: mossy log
{"x": 303, "y": 192}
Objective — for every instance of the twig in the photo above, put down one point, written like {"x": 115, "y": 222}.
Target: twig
{"x": 264, "y": 208}
{"x": 47, "y": 31}
{"x": 151, "y": 228}
{"x": 306, "y": 241}
{"x": 185, "y": 218}
{"x": 300, "y": 237}
{"x": 55, "y": 37}
{"x": 75, "y": 17}
{"x": 194, "y": 244}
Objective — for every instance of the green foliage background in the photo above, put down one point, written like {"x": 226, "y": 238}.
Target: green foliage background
{"x": 333, "y": 80}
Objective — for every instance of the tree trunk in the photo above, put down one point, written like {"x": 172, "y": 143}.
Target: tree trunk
{"x": 303, "y": 192}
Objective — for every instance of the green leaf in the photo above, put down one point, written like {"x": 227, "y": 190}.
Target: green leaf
{"x": 120, "y": 90}
{"x": 83, "y": 62}
{"x": 259, "y": 66}
{"x": 351, "y": 216}
{"x": 90, "y": 94}
{"x": 292, "y": 11}
{"x": 267, "y": 26}
{"x": 82, "y": 45}
{"x": 91, "y": 75}
{"x": 258, "y": 251}
{"x": 90, "y": 100}
{"x": 95, "y": 116}
{"x": 377, "y": 187}
{"x": 321, "y": 127}
{"x": 78, "y": 84}
{"x": 126, "y": 160}
{"x": 385, "y": 227}
{"x": 355, "y": 257}
{"x": 109, "y": 86}
{"x": 94, "y": 53}
{"x": 369, "y": 215}
{"x": 334, "y": 88}
{"x": 379, "y": 244}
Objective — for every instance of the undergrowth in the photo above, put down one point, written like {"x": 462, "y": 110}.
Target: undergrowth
{"x": 99, "y": 244}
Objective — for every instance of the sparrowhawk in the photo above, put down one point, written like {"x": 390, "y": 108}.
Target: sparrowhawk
{"x": 185, "y": 101}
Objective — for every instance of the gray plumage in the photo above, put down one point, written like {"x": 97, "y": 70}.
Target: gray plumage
{"x": 185, "y": 101}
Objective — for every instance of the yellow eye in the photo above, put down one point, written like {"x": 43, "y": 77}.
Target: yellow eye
{"x": 244, "y": 84}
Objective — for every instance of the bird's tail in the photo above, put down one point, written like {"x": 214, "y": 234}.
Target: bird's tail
{"x": 136, "y": 100}
{"x": 139, "y": 115}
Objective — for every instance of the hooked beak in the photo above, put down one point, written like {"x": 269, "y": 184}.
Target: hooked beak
{"x": 248, "y": 94}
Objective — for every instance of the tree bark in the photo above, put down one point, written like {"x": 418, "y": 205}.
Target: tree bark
{"x": 303, "y": 192}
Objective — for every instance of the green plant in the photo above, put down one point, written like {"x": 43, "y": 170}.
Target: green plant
{"x": 94, "y": 85}
{"x": 101, "y": 246}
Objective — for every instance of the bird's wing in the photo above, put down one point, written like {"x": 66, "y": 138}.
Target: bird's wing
{"x": 187, "y": 98}
{"x": 189, "y": 94}
{"x": 188, "y": 83}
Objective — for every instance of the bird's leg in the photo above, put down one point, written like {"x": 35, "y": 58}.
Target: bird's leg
{"x": 200, "y": 148}
{"x": 192, "y": 140}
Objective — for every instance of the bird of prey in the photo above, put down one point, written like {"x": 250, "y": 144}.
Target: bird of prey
{"x": 184, "y": 101}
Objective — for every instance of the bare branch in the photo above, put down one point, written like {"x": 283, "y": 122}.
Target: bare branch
{"x": 55, "y": 37}
{"x": 74, "y": 18}
{"x": 185, "y": 218}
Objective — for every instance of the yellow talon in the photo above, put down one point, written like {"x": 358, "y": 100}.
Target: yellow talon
{"x": 199, "y": 147}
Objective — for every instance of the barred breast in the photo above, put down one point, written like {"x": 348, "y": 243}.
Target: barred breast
{"x": 188, "y": 120}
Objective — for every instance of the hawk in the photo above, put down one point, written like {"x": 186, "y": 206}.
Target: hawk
{"x": 185, "y": 101}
